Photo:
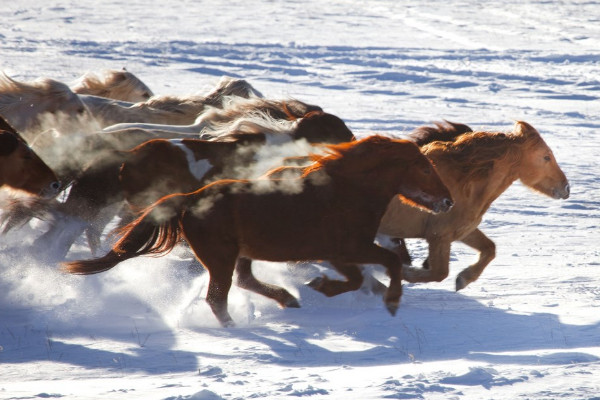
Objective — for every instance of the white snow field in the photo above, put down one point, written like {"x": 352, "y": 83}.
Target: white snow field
{"x": 527, "y": 329}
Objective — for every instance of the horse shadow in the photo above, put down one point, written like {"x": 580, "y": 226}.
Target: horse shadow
{"x": 35, "y": 327}
{"x": 431, "y": 325}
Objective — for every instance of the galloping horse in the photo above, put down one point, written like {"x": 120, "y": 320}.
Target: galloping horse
{"x": 160, "y": 167}
{"x": 211, "y": 120}
{"x": 21, "y": 168}
{"x": 477, "y": 167}
{"x": 113, "y": 84}
{"x": 31, "y": 107}
{"x": 164, "y": 110}
{"x": 330, "y": 213}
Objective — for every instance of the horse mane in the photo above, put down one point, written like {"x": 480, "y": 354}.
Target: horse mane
{"x": 233, "y": 87}
{"x": 474, "y": 154}
{"x": 445, "y": 131}
{"x": 14, "y": 93}
{"x": 234, "y": 106}
{"x": 186, "y": 105}
{"x": 115, "y": 84}
{"x": 363, "y": 155}
{"x": 253, "y": 123}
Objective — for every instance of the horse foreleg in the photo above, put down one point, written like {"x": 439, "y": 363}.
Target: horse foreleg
{"x": 246, "y": 280}
{"x": 333, "y": 287}
{"x": 438, "y": 264}
{"x": 487, "y": 252}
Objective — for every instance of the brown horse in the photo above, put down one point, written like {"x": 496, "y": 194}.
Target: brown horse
{"x": 330, "y": 213}
{"x": 477, "y": 167}
{"x": 159, "y": 167}
{"x": 21, "y": 168}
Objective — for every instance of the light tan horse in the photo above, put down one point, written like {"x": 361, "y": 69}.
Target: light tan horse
{"x": 477, "y": 167}
{"x": 163, "y": 110}
{"x": 117, "y": 84}
{"x": 31, "y": 107}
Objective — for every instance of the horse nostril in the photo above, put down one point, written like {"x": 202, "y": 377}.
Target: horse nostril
{"x": 567, "y": 189}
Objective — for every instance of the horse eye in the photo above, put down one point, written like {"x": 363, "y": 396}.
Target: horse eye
{"x": 427, "y": 170}
{"x": 146, "y": 95}
{"x": 81, "y": 111}
{"x": 547, "y": 158}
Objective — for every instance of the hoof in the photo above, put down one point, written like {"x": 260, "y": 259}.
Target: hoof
{"x": 392, "y": 307}
{"x": 461, "y": 283}
{"x": 317, "y": 283}
{"x": 291, "y": 303}
{"x": 228, "y": 324}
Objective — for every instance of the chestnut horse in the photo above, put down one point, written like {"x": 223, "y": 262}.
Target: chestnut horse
{"x": 477, "y": 167}
{"x": 330, "y": 213}
{"x": 21, "y": 168}
{"x": 160, "y": 167}
{"x": 117, "y": 84}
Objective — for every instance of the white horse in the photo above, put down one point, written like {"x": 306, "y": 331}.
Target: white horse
{"x": 32, "y": 107}
{"x": 113, "y": 84}
{"x": 186, "y": 108}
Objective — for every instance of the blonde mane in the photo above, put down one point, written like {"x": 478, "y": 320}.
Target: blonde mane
{"x": 113, "y": 84}
{"x": 473, "y": 155}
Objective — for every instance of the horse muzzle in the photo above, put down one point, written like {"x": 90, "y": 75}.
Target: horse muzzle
{"x": 443, "y": 205}
{"x": 562, "y": 192}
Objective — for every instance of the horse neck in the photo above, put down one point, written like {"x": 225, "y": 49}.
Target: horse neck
{"x": 478, "y": 194}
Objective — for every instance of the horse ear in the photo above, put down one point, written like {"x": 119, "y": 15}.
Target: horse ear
{"x": 5, "y": 126}
{"x": 8, "y": 143}
{"x": 523, "y": 128}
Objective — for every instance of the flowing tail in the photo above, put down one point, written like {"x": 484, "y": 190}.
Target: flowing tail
{"x": 155, "y": 232}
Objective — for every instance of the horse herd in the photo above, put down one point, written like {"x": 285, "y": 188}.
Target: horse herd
{"x": 241, "y": 177}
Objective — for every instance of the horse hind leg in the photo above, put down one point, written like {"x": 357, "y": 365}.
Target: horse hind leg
{"x": 219, "y": 260}
{"x": 487, "y": 252}
{"x": 332, "y": 287}
{"x": 246, "y": 280}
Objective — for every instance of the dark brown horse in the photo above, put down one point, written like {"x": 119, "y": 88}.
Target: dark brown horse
{"x": 331, "y": 212}
{"x": 21, "y": 168}
{"x": 160, "y": 167}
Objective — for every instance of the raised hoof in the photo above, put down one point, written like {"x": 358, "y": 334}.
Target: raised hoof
{"x": 392, "y": 308}
{"x": 461, "y": 283}
{"x": 291, "y": 303}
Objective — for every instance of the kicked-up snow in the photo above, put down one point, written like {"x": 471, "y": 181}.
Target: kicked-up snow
{"x": 529, "y": 328}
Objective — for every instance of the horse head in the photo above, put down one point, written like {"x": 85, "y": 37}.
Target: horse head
{"x": 378, "y": 163}
{"x": 22, "y": 169}
{"x": 321, "y": 127}
{"x": 539, "y": 169}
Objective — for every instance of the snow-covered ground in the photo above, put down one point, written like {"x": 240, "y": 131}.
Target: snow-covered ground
{"x": 528, "y": 328}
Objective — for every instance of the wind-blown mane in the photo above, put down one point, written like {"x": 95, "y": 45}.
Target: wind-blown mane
{"x": 473, "y": 153}
{"x": 22, "y": 102}
{"x": 350, "y": 158}
{"x": 113, "y": 84}
{"x": 234, "y": 107}
{"x": 442, "y": 131}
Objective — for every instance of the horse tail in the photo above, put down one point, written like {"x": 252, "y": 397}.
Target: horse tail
{"x": 445, "y": 131}
{"x": 155, "y": 232}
